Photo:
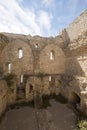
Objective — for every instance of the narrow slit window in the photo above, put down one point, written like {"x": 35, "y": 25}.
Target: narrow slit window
{"x": 50, "y": 78}
{"x": 31, "y": 88}
{"x": 21, "y": 78}
{"x": 20, "y": 53}
{"x": 9, "y": 68}
{"x": 51, "y": 55}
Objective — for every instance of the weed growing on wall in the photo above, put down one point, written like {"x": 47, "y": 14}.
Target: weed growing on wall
{"x": 9, "y": 79}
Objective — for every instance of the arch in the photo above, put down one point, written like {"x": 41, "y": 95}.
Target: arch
{"x": 75, "y": 100}
{"x": 10, "y": 54}
{"x": 52, "y": 56}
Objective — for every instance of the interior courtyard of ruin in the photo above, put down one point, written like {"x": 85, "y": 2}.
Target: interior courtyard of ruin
{"x": 33, "y": 66}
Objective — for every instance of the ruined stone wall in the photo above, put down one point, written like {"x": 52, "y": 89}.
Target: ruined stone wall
{"x": 55, "y": 66}
{"x": 45, "y": 61}
{"x": 10, "y": 54}
{"x": 35, "y": 59}
{"x": 76, "y": 56}
{"x": 3, "y": 96}
{"x": 78, "y": 26}
{"x": 44, "y": 85}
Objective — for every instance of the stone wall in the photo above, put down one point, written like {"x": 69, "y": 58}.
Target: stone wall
{"x": 3, "y": 96}
{"x": 47, "y": 65}
{"x": 44, "y": 85}
{"x": 76, "y": 56}
{"x": 7, "y": 95}
{"x": 78, "y": 26}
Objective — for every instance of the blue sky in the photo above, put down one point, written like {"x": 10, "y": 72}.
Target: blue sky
{"x": 39, "y": 17}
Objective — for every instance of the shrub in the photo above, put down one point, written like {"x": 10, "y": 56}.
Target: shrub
{"x": 9, "y": 79}
{"x": 82, "y": 124}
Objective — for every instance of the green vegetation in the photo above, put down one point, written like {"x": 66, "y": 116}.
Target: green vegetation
{"x": 9, "y": 79}
{"x": 82, "y": 124}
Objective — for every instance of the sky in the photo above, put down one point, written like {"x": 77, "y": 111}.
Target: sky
{"x": 39, "y": 17}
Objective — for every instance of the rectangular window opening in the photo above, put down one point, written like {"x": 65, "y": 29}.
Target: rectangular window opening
{"x": 51, "y": 55}
{"x": 22, "y": 78}
{"x": 50, "y": 78}
{"x": 9, "y": 68}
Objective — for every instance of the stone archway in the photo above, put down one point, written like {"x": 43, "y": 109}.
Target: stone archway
{"x": 33, "y": 95}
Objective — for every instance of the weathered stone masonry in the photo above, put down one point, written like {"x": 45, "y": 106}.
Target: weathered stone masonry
{"x": 45, "y": 65}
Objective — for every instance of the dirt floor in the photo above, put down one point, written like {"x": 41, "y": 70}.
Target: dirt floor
{"x": 59, "y": 116}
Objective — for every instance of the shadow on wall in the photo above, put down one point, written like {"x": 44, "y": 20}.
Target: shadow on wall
{"x": 73, "y": 67}
{"x": 75, "y": 98}
{"x": 71, "y": 64}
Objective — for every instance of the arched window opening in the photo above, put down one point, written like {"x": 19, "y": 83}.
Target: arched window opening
{"x": 36, "y": 45}
{"x": 52, "y": 55}
{"x": 9, "y": 68}
{"x": 22, "y": 78}
{"x": 20, "y": 53}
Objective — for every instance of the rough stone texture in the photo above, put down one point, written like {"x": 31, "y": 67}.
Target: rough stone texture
{"x": 78, "y": 26}
{"x": 41, "y": 74}
{"x": 3, "y": 96}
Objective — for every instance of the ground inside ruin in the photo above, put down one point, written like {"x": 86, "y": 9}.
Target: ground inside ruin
{"x": 56, "y": 117}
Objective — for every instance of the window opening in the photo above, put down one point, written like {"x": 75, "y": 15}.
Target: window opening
{"x": 50, "y": 78}
{"x": 36, "y": 45}
{"x": 21, "y": 78}
{"x": 51, "y": 55}
{"x": 20, "y": 53}
{"x": 9, "y": 67}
